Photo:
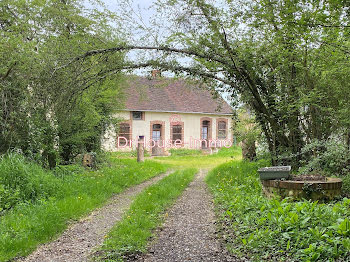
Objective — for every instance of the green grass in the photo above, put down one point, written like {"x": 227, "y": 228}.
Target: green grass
{"x": 128, "y": 154}
{"x": 21, "y": 181}
{"x": 202, "y": 161}
{"x": 131, "y": 235}
{"x": 274, "y": 230}
{"x": 41, "y": 216}
{"x": 185, "y": 152}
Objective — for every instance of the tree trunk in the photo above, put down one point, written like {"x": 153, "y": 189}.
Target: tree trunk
{"x": 248, "y": 150}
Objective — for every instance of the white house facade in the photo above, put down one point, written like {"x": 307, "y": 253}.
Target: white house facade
{"x": 164, "y": 114}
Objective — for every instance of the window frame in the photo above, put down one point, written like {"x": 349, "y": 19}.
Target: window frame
{"x": 205, "y": 122}
{"x": 125, "y": 133}
{"x": 218, "y": 129}
{"x": 172, "y": 125}
{"x": 137, "y": 119}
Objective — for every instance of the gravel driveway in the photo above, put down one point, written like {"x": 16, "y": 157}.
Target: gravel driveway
{"x": 188, "y": 233}
{"x": 79, "y": 240}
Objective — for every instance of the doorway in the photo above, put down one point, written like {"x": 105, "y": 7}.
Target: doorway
{"x": 205, "y": 134}
{"x": 157, "y": 137}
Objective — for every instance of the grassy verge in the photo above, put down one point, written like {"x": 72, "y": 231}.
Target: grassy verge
{"x": 45, "y": 201}
{"x": 130, "y": 236}
{"x": 273, "y": 230}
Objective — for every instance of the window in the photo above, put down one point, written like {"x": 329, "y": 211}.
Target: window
{"x": 222, "y": 130}
{"x": 176, "y": 133}
{"x": 156, "y": 132}
{"x": 124, "y": 131}
{"x": 205, "y": 129}
{"x": 137, "y": 115}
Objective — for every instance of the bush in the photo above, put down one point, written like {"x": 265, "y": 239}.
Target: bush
{"x": 331, "y": 157}
{"x": 346, "y": 185}
{"x": 21, "y": 181}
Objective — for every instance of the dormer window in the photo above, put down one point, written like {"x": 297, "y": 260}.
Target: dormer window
{"x": 138, "y": 115}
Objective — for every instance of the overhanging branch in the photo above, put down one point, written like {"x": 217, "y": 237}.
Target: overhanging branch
{"x": 188, "y": 52}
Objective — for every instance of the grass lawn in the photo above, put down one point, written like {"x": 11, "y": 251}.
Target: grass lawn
{"x": 183, "y": 158}
{"x": 131, "y": 235}
{"x": 274, "y": 230}
{"x": 43, "y": 202}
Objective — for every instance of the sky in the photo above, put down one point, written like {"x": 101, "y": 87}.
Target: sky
{"x": 143, "y": 5}
{"x": 146, "y": 13}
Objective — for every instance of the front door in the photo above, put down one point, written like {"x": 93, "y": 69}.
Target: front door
{"x": 156, "y": 137}
{"x": 205, "y": 134}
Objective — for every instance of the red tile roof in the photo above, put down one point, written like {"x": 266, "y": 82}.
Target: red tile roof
{"x": 171, "y": 95}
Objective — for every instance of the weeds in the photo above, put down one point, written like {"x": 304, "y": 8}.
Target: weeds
{"x": 271, "y": 230}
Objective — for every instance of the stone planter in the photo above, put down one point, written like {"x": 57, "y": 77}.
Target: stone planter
{"x": 274, "y": 172}
{"x": 313, "y": 190}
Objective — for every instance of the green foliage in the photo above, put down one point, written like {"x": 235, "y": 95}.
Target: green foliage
{"x": 24, "y": 181}
{"x": 77, "y": 192}
{"x": 245, "y": 127}
{"x": 131, "y": 235}
{"x": 330, "y": 157}
{"x": 81, "y": 128}
{"x": 62, "y": 171}
{"x": 286, "y": 61}
{"x": 346, "y": 184}
{"x": 269, "y": 230}
{"x": 49, "y": 103}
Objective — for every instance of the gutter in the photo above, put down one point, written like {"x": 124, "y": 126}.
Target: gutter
{"x": 161, "y": 111}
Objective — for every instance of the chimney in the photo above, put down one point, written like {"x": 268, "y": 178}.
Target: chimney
{"x": 155, "y": 73}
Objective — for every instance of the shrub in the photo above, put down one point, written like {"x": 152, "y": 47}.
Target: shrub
{"x": 21, "y": 181}
{"x": 346, "y": 185}
{"x": 329, "y": 156}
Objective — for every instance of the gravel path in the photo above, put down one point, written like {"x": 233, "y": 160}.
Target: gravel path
{"x": 79, "y": 240}
{"x": 188, "y": 233}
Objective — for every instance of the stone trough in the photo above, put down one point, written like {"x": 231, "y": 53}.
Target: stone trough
{"x": 308, "y": 187}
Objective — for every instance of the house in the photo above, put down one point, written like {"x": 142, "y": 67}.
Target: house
{"x": 170, "y": 113}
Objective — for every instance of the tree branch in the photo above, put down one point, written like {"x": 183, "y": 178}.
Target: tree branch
{"x": 8, "y": 71}
{"x": 158, "y": 48}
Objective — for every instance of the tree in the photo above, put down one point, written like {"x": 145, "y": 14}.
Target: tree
{"x": 41, "y": 94}
{"x": 247, "y": 133}
{"x": 272, "y": 55}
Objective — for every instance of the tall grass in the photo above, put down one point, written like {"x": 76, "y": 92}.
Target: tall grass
{"x": 71, "y": 192}
{"x": 131, "y": 235}
{"x": 22, "y": 181}
{"x": 274, "y": 230}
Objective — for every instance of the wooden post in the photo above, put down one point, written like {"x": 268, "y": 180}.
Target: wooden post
{"x": 140, "y": 149}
